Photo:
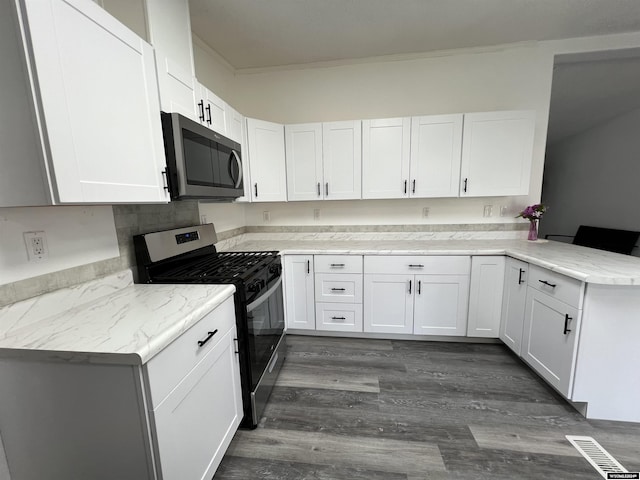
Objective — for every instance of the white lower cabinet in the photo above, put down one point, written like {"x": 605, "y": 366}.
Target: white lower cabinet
{"x": 433, "y": 301}
{"x": 196, "y": 422}
{"x": 514, "y": 303}
{"x": 339, "y": 317}
{"x": 388, "y": 303}
{"x": 440, "y": 305}
{"x": 550, "y": 339}
{"x": 485, "y": 296}
{"x": 171, "y": 419}
{"x": 299, "y": 294}
{"x": 338, "y": 292}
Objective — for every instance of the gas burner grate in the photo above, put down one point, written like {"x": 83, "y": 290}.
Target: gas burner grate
{"x": 218, "y": 266}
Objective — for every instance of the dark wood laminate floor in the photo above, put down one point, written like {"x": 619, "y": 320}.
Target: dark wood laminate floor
{"x": 362, "y": 409}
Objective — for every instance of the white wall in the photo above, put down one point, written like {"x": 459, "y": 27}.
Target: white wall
{"x": 383, "y": 212}
{"x": 225, "y": 216}
{"x": 75, "y": 236}
{"x": 593, "y": 178}
{"x": 213, "y": 71}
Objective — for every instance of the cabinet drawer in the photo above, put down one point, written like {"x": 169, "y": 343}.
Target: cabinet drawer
{"x": 556, "y": 285}
{"x": 418, "y": 265}
{"x": 338, "y": 263}
{"x": 339, "y": 288}
{"x": 171, "y": 365}
{"x": 339, "y": 317}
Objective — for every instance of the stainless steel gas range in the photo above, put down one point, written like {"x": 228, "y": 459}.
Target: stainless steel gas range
{"x": 188, "y": 255}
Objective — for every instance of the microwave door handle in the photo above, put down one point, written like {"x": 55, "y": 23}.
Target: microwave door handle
{"x": 237, "y": 159}
{"x": 263, "y": 298}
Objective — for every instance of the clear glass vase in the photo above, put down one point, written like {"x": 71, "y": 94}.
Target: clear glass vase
{"x": 533, "y": 230}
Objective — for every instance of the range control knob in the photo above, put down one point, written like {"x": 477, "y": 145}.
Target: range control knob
{"x": 275, "y": 269}
{"x": 255, "y": 286}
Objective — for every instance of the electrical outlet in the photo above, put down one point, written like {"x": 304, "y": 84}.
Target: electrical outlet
{"x": 266, "y": 216}
{"x": 503, "y": 211}
{"x": 488, "y": 211}
{"x": 316, "y": 214}
{"x": 36, "y": 243}
{"x": 203, "y": 219}
{"x": 425, "y": 212}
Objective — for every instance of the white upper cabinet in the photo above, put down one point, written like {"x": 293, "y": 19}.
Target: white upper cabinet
{"x": 177, "y": 88}
{"x": 304, "y": 161}
{"x": 385, "y": 158}
{"x": 234, "y": 124}
{"x": 212, "y": 111}
{"x": 436, "y": 144}
{"x": 342, "y": 160}
{"x": 497, "y": 149}
{"x": 266, "y": 161}
{"x": 169, "y": 27}
{"x": 103, "y": 139}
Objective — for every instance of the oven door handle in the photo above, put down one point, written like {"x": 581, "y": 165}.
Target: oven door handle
{"x": 263, "y": 298}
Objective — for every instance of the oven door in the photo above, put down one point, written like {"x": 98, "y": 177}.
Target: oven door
{"x": 265, "y": 323}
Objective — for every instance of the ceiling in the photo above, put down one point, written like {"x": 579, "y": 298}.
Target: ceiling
{"x": 269, "y": 33}
{"x": 588, "y": 91}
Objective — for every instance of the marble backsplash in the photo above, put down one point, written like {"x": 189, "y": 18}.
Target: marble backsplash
{"x": 377, "y": 232}
{"x": 131, "y": 220}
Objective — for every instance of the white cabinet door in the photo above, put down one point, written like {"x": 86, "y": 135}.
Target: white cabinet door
{"x": 550, "y": 339}
{"x": 213, "y": 111}
{"x": 103, "y": 122}
{"x": 235, "y": 123}
{"x": 385, "y": 158}
{"x": 513, "y": 303}
{"x": 388, "y": 303}
{"x": 342, "y": 160}
{"x": 441, "y": 304}
{"x": 436, "y": 144}
{"x": 299, "y": 295}
{"x": 177, "y": 88}
{"x": 485, "y": 296}
{"x": 304, "y": 161}
{"x": 195, "y": 424}
{"x": 266, "y": 161}
{"x": 497, "y": 148}
{"x": 169, "y": 28}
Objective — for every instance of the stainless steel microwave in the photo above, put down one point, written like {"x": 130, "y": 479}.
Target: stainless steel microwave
{"x": 201, "y": 164}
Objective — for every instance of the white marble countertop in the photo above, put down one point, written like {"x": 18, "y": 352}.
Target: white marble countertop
{"x": 585, "y": 264}
{"x": 109, "y": 320}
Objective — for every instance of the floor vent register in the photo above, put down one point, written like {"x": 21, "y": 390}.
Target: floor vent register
{"x": 599, "y": 458}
